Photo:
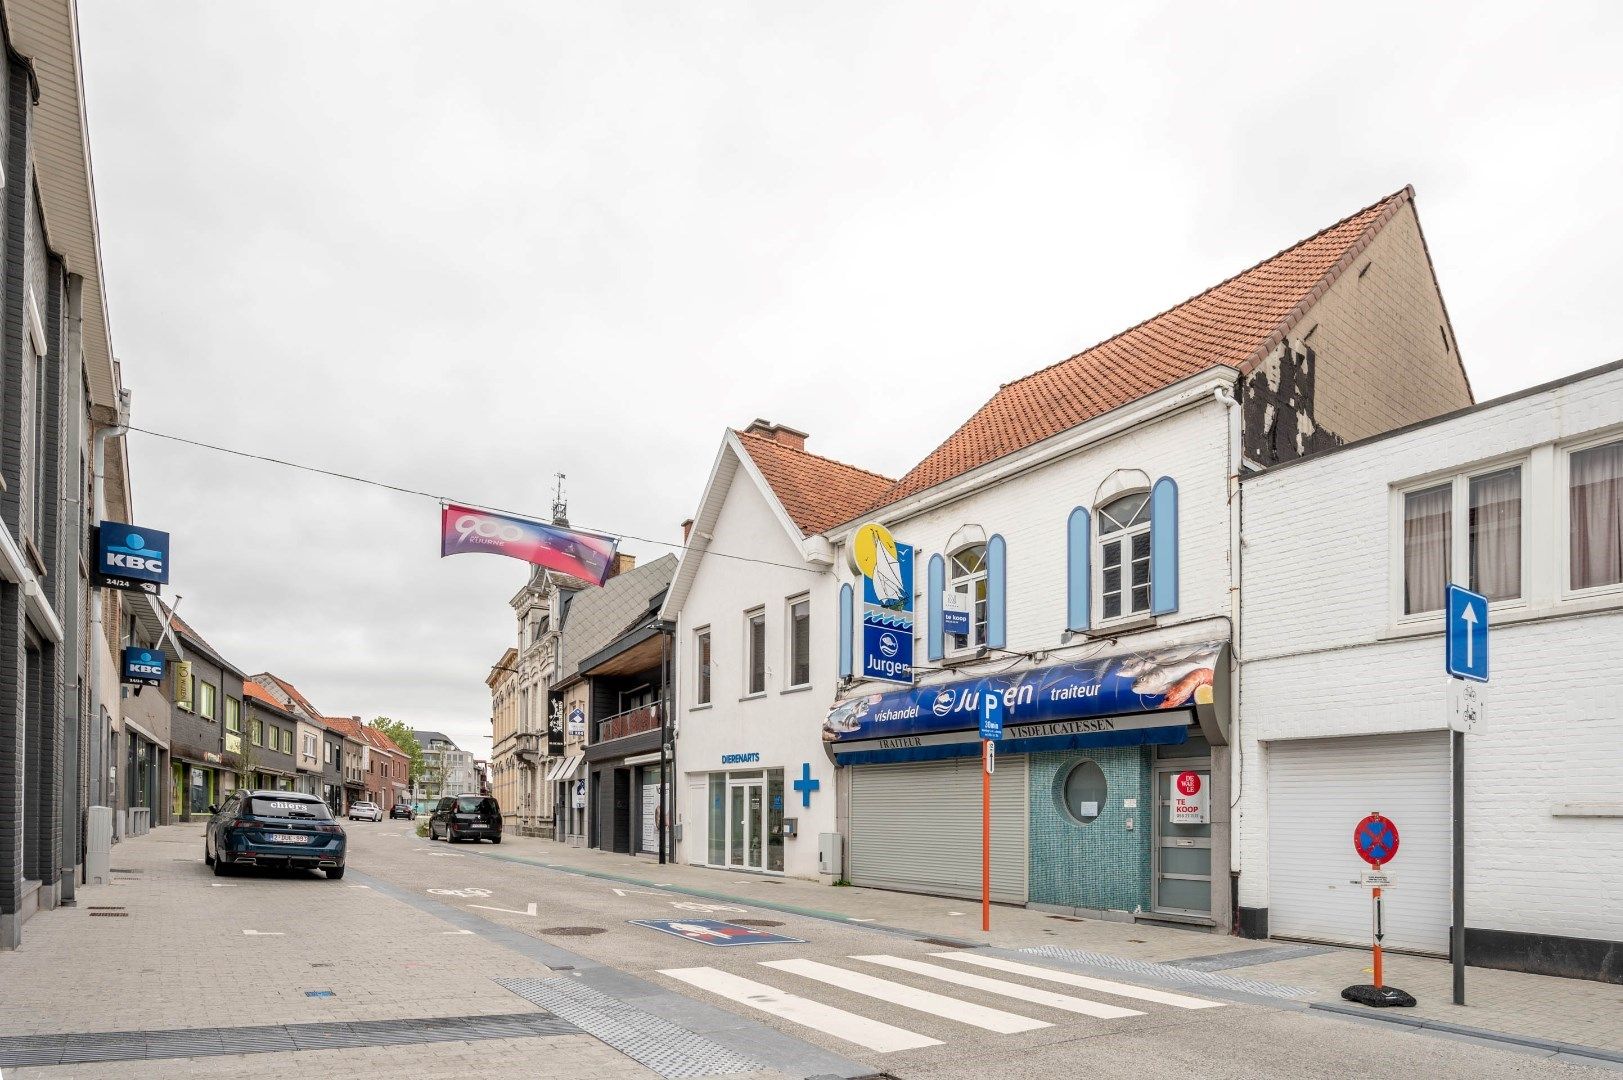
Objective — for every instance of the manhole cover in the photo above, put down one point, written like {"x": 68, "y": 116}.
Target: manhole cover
{"x": 571, "y": 931}
{"x": 754, "y": 922}
{"x": 941, "y": 943}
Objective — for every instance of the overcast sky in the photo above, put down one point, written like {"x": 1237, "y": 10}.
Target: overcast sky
{"x": 463, "y": 246}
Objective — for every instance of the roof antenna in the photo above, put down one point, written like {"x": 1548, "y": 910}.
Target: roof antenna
{"x": 560, "y": 505}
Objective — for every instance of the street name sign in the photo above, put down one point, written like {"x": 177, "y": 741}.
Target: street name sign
{"x": 1466, "y": 656}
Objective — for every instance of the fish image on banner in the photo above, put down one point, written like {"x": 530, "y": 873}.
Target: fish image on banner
{"x": 464, "y": 530}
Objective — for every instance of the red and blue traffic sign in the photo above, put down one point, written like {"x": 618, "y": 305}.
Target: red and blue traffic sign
{"x": 711, "y": 932}
{"x": 1376, "y": 839}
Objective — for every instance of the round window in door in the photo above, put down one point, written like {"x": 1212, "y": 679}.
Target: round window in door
{"x": 1083, "y": 791}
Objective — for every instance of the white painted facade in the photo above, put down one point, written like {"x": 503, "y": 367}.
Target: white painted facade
{"x": 1185, "y": 432}
{"x": 1329, "y": 655}
{"x": 781, "y": 727}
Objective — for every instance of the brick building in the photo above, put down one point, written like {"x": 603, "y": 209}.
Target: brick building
{"x": 1347, "y": 556}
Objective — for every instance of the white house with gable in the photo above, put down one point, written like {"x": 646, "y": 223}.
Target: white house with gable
{"x": 1347, "y": 556}
{"x": 754, "y": 606}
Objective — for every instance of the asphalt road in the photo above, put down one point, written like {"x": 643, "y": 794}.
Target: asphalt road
{"x": 884, "y": 1003}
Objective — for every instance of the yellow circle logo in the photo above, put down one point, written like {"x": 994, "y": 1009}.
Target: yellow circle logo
{"x": 870, "y": 544}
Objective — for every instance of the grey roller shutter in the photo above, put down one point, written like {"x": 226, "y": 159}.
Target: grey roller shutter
{"x": 1318, "y": 790}
{"x": 918, "y": 828}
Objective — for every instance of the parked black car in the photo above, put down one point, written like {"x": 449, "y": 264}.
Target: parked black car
{"x": 402, "y": 809}
{"x": 274, "y": 828}
{"x": 466, "y": 817}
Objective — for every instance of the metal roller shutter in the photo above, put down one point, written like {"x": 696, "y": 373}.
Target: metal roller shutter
{"x": 918, "y": 827}
{"x": 1318, "y": 789}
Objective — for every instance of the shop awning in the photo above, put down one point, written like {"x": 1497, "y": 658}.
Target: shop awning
{"x": 1127, "y": 699}
{"x": 556, "y": 768}
{"x": 571, "y": 767}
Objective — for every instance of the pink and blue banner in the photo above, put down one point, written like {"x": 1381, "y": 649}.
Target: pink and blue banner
{"x": 585, "y": 555}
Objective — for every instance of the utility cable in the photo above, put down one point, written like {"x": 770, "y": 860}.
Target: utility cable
{"x": 444, "y": 500}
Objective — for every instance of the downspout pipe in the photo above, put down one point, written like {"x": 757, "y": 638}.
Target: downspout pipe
{"x": 98, "y": 640}
{"x": 1226, "y": 398}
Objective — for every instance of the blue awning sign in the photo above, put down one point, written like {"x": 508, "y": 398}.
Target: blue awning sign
{"x": 1129, "y": 699}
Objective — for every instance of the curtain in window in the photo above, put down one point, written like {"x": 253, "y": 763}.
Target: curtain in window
{"x": 1597, "y": 516}
{"x": 1496, "y": 534}
{"x": 1426, "y": 539}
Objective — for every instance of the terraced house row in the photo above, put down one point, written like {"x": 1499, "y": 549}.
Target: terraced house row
{"x": 1203, "y": 563}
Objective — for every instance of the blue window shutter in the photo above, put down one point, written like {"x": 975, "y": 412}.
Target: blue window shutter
{"x": 936, "y": 643}
{"x": 1078, "y": 570}
{"x": 997, "y": 631}
{"x": 846, "y": 630}
{"x": 1164, "y": 546}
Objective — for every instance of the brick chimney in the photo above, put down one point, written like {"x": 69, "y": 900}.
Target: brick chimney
{"x": 778, "y": 433}
{"x": 622, "y": 563}
{"x": 687, "y": 530}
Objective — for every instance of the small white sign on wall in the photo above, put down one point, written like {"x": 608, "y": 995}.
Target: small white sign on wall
{"x": 1189, "y": 802}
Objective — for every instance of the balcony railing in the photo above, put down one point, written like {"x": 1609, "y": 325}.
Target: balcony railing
{"x": 631, "y": 722}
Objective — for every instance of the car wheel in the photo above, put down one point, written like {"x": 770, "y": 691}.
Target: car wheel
{"x": 208, "y": 860}
{"x": 495, "y": 839}
{"x": 220, "y": 868}
{"x": 335, "y": 873}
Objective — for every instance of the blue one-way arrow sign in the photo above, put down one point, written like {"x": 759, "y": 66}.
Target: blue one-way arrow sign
{"x": 1467, "y": 654}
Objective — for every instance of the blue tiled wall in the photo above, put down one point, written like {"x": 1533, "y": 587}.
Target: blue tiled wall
{"x": 1102, "y": 864}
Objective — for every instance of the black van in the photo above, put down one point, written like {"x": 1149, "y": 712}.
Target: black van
{"x": 466, "y": 817}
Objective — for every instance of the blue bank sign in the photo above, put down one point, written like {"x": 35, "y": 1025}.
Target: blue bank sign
{"x": 142, "y": 667}
{"x": 130, "y": 557}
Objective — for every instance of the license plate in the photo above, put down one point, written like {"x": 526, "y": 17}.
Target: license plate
{"x": 289, "y": 838}
{"x": 475, "y": 826}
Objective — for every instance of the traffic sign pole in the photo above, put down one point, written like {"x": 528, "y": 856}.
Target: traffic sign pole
{"x": 1378, "y": 934}
{"x": 1376, "y": 840}
{"x": 1457, "y": 938}
{"x": 986, "y": 835}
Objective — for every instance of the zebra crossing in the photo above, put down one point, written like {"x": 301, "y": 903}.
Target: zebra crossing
{"x": 885, "y": 1037}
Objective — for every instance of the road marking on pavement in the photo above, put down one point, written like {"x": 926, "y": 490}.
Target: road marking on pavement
{"x": 640, "y": 892}
{"x": 855, "y": 919}
{"x": 1031, "y": 971}
{"x": 360, "y": 886}
{"x": 873, "y": 1034}
{"x": 263, "y": 933}
{"x": 908, "y": 997}
{"x": 466, "y": 894}
{"x": 684, "y": 905}
{"x": 221, "y": 885}
{"x": 510, "y": 911}
{"x": 456, "y": 931}
{"x": 1007, "y": 989}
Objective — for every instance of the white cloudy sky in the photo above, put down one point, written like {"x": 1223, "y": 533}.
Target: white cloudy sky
{"x": 463, "y": 246}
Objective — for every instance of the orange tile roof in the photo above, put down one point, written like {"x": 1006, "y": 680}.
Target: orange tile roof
{"x": 816, "y": 492}
{"x": 348, "y": 726}
{"x": 254, "y": 690}
{"x": 292, "y": 692}
{"x": 1234, "y": 323}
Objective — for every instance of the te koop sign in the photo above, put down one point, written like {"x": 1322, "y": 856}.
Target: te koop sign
{"x": 1190, "y": 805}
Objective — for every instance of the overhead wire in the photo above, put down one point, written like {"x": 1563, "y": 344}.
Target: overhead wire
{"x": 445, "y": 500}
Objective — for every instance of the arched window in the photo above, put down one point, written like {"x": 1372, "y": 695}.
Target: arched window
{"x": 966, "y": 576}
{"x": 1124, "y": 556}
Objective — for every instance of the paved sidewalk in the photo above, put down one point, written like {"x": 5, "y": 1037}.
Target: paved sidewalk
{"x": 168, "y": 945}
{"x": 1535, "y": 1007}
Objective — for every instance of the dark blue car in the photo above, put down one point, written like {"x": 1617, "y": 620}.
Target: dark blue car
{"x": 274, "y": 828}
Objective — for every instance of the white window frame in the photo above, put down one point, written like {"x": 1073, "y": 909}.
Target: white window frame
{"x": 975, "y": 640}
{"x": 1459, "y": 551}
{"x": 213, "y": 702}
{"x": 703, "y": 633}
{"x": 789, "y": 605}
{"x": 1124, "y": 536}
{"x": 1564, "y": 592}
{"x": 749, "y": 657}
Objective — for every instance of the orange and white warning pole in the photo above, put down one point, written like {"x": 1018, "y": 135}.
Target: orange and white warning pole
{"x": 986, "y": 834}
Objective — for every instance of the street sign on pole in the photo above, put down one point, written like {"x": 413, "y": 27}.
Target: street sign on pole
{"x": 1466, "y": 655}
{"x": 1375, "y": 838}
{"x": 991, "y": 714}
{"x": 986, "y": 833}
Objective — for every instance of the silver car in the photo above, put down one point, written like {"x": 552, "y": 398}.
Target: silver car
{"x": 367, "y": 811}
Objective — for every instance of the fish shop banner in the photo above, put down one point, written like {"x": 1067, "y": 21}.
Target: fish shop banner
{"x": 887, "y": 604}
{"x": 569, "y": 551}
{"x": 1103, "y": 686}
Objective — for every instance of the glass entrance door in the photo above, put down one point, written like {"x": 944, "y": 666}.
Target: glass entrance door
{"x": 746, "y": 800}
{"x": 1183, "y": 849}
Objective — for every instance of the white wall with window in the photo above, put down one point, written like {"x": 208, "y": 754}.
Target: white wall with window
{"x": 1346, "y": 559}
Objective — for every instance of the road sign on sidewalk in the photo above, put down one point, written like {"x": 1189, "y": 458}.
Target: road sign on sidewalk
{"x": 991, "y": 714}
{"x": 711, "y": 932}
{"x": 1466, "y": 655}
{"x": 1376, "y": 839}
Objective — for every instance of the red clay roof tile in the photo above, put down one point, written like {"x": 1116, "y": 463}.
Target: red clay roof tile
{"x": 816, "y": 492}
{"x": 1233, "y": 323}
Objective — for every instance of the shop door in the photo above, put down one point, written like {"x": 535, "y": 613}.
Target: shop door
{"x": 745, "y": 829}
{"x": 1182, "y": 850}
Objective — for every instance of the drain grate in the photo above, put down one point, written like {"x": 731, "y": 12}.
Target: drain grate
{"x": 572, "y": 931}
{"x": 943, "y": 943}
{"x": 658, "y": 1044}
{"x": 109, "y": 914}
{"x": 106, "y": 907}
{"x": 754, "y": 922}
{"x": 1067, "y": 918}
{"x": 22, "y": 1050}
{"x": 123, "y": 870}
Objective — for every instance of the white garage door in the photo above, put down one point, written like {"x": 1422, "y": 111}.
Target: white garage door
{"x": 1318, "y": 790}
{"x": 917, "y": 827}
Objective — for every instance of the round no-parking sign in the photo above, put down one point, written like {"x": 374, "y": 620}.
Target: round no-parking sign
{"x": 1376, "y": 840}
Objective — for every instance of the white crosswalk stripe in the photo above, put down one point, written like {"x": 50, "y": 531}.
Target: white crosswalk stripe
{"x": 1006, "y": 989}
{"x": 909, "y": 997}
{"x": 1085, "y": 982}
{"x": 873, "y": 1034}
